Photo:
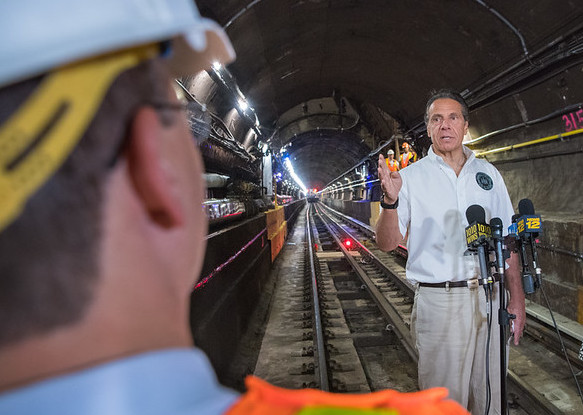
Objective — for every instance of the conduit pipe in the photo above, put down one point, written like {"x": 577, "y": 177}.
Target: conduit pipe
{"x": 510, "y": 25}
{"x": 529, "y": 143}
{"x": 214, "y": 180}
{"x": 525, "y": 124}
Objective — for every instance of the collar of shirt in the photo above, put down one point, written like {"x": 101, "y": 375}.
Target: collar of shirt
{"x": 470, "y": 157}
{"x": 173, "y": 381}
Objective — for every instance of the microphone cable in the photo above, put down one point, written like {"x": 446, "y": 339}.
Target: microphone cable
{"x": 525, "y": 207}
{"x": 488, "y": 290}
{"x": 563, "y": 348}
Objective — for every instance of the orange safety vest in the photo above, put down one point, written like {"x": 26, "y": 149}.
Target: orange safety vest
{"x": 405, "y": 158}
{"x": 265, "y": 399}
{"x": 393, "y": 165}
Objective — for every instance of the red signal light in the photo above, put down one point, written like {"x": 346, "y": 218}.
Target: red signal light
{"x": 347, "y": 243}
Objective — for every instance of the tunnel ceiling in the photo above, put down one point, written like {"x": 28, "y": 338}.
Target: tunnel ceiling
{"x": 385, "y": 55}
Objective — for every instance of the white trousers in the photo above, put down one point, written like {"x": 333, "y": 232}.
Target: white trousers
{"x": 451, "y": 331}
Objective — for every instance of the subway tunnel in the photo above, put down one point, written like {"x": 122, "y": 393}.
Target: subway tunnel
{"x": 327, "y": 86}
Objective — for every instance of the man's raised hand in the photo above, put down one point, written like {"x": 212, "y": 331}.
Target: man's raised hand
{"x": 391, "y": 182}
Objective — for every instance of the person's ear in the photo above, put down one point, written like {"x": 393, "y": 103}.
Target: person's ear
{"x": 146, "y": 168}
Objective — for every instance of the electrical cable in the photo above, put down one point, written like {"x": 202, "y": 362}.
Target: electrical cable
{"x": 488, "y": 289}
{"x": 562, "y": 344}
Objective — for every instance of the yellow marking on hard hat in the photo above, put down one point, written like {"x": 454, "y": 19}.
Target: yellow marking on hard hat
{"x": 40, "y": 135}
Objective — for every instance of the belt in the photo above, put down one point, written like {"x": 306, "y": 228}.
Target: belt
{"x": 455, "y": 284}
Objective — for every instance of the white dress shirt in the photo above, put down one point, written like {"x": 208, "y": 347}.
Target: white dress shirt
{"x": 432, "y": 207}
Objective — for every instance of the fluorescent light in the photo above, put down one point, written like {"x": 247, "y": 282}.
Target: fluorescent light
{"x": 243, "y": 105}
{"x": 294, "y": 176}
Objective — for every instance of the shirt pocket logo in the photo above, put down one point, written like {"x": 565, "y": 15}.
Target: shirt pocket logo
{"x": 484, "y": 181}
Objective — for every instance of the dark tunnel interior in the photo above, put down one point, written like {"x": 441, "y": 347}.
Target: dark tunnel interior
{"x": 328, "y": 85}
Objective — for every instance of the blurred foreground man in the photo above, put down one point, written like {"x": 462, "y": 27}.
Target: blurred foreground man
{"x": 428, "y": 200}
{"x": 101, "y": 224}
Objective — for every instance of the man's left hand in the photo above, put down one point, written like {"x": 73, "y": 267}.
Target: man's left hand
{"x": 517, "y": 324}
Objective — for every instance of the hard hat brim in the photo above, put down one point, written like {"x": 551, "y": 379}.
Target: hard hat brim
{"x": 48, "y": 35}
{"x": 190, "y": 56}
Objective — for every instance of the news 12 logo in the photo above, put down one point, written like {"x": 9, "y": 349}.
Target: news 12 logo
{"x": 477, "y": 232}
{"x": 528, "y": 224}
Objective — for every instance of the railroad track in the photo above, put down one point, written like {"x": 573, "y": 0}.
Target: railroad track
{"x": 539, "y": 380}
{"x": 361, "y": 340}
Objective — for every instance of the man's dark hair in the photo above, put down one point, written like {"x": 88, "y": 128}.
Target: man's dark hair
{"x": 447, "y": 93}
{"x": 49, "y": 256}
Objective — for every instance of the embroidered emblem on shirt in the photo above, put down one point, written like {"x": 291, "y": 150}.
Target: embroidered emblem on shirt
{"x": 484, "y": 181}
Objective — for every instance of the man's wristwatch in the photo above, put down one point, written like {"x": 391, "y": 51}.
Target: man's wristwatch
{"x": 386, "y": 205}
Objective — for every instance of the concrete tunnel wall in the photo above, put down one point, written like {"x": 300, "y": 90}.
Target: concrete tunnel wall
{"x": 554, "y": 186}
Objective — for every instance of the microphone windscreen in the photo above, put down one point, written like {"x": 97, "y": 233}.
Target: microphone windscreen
{"x": 515, "y": 217}
{"x": 525, "y": 207}
{"x": 496, "y": 223}
{"x": 476, "y": 213}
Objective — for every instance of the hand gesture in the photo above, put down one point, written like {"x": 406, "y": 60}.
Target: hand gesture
{"x": 391, "y": 182}
{"x": 517, "y": 324}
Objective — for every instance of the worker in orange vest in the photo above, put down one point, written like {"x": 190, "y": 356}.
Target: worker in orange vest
{"x": 408, "y": 156}
{"x": 392, "y": 163}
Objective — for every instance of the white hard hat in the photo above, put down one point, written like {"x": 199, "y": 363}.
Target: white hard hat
{"x": 82, "y": 46}
{"x": 390, "y": 151}
{"x": 39, "y": 35}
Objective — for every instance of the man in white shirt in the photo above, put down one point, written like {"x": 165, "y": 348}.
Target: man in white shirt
{"x": 429, "y": 200}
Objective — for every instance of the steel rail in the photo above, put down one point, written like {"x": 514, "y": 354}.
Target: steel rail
{"x": 532, "y": 400}
{"x": 401, "y": 329}
{"x": 534, "y": 321}
{"x": 318, "y": 331}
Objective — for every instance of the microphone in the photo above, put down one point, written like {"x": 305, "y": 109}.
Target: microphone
{"x": 528, "y": 222}
{"x": 528, "y": 227}
{"x": 512, "y": 240}
{"x": 520, "y": 247}
{"x": 514, "y": 244}
{"x": 501, "y": 254}
{"x": 478, "y": 234}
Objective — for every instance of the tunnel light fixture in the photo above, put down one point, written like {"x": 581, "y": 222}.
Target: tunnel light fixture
{"x": 294, "y": 176}
{"x": 350, "y": 185}
{"x": 243, "y": 104}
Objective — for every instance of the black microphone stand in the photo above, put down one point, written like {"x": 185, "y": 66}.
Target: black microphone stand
{"x": 503, "y": 315}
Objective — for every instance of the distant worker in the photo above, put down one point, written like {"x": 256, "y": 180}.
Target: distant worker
{"x": 102, "y": 235}
{"x": 392, "y": 163}
{"x": 408, "y": 156}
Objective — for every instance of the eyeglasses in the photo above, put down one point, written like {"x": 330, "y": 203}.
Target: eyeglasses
{"x": 198, "y": 117}
{"x": 199, "y": 121}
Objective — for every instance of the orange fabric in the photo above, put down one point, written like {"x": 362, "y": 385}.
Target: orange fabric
{"x": 265, "y": 399}
{"x": 406, "y": 158}
{"x": 393, "y": 165}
